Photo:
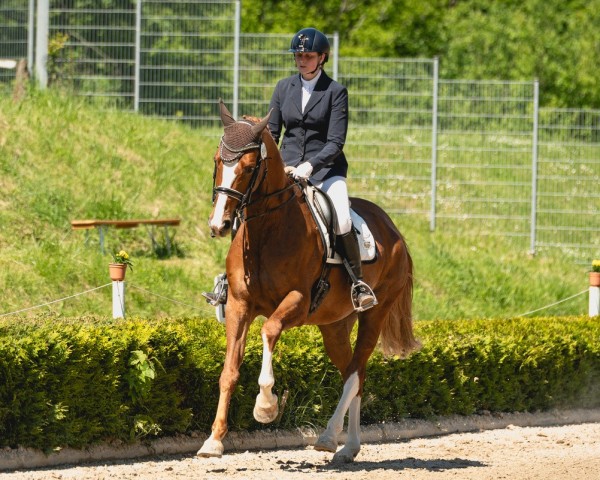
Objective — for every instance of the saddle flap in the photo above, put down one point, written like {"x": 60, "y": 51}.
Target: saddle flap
{"x": 366, "y": 241}
{"x": 323, "y": 212}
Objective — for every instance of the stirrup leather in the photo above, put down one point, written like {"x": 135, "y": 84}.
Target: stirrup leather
{"x": 219, "y": 294}
{"x": 363, "y": 297}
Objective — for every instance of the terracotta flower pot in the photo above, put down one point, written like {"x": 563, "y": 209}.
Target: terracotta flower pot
{"x": 594, "y": 279}
{"x": 117, "y": 271}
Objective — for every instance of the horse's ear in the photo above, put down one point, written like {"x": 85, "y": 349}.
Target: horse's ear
{"x": 226, "y": 117}
{"x": 260, "y": 126}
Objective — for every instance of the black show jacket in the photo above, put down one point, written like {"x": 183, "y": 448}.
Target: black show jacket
{"x": 317, "y": 135}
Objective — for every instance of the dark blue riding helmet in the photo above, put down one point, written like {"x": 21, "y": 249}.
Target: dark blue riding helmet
{"x": 310, "y": 40}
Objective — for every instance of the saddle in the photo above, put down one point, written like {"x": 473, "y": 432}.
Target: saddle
{"x": 322, "y": 209}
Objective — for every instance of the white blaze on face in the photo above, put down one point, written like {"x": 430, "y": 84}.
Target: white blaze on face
{"x": 227, "y": 178}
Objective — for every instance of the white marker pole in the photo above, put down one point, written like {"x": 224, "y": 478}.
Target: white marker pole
{"x": 118, "y": 299}
{"x": 594, "y": 301}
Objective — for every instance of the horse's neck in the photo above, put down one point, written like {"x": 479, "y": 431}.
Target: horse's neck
{"x": 276, "y": 191}
{"x": 278, "y": 179}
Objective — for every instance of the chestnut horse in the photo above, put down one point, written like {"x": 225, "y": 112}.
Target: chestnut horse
{"x": 274, "y": 260}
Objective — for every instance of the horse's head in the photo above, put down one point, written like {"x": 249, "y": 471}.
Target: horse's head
{"x": 239, "y": 169}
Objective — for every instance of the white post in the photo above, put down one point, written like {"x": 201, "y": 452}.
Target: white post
{"x": 594, "y": 301}
{"x": 41, "y": 47}
{"x": 138, "y": 56}
{"x": 336, "y": 54}
{"x": 434, "y": 135}
{"x": 118, "y": 299}
{"x": 534, "y": 166}
{"x": 236, "y": 59}
{"x": 30, "y": 37}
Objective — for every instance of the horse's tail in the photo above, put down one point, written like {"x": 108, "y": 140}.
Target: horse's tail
{"x": 397, "y": 337}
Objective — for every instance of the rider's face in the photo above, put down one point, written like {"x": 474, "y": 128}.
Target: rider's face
{"x": 308, "y": 63}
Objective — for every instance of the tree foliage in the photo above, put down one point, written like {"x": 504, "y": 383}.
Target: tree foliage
{"x": 555, "y": 41}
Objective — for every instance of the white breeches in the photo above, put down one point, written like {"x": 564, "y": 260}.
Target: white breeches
{"x": 337, "y": 190}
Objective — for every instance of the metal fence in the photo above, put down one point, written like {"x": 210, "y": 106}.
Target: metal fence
{"x": 16, "y": 33}
{"x": 568, "y": 181}
{"x": 474, "y": 155}
{"x": 485, "y": 156}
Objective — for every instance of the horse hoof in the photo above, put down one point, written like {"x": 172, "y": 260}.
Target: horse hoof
{"x": 325, "y": 444}
{"x": 211, "y": 449}
{"x": 265, "y": 415}
{"x": 345, "y": 455}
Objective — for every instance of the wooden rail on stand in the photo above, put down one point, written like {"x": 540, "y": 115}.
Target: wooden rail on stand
{"x": 150, "y": 225}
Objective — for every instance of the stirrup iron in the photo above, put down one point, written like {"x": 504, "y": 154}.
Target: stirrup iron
{"x": 219, "y": 294}
{"x": 363, "y": 297}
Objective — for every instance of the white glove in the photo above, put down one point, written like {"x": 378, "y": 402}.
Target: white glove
{"x": 302, "y": 171}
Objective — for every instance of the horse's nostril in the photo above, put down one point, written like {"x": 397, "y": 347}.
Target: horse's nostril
{"x": 221, "y": 230}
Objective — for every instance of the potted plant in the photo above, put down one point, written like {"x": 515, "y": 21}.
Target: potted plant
{"x": 119, "y": 266}
{"x": 595, "y": 274}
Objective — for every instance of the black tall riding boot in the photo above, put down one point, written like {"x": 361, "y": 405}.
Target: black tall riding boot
{"x": 363, "y": 297}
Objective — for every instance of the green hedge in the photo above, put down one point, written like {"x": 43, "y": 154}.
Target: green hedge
{"x": 76, "y": 382}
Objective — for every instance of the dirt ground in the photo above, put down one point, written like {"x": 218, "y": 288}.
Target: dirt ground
{"x": 563, "y": 452}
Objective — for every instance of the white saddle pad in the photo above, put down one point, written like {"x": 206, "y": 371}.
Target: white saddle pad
{"x": 366, "y": 242}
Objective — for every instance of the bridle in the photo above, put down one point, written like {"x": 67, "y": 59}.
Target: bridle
{"x": 245, "y": 199}
{"x": 242, "y": 198}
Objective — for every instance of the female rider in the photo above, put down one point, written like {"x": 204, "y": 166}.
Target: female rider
{"x": 313, "y": 109}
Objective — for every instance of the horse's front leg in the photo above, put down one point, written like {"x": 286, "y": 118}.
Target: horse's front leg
{"x": 266, "y": 408}
{"x": 237, "y": 324}
{"x": 293, "y": 308}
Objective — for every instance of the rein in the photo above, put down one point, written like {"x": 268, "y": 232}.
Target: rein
{"x": 245, "y": 199}
{"x": 282, "y": 204}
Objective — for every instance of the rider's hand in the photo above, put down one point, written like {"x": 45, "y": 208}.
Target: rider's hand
{"x": 302, "y": 171}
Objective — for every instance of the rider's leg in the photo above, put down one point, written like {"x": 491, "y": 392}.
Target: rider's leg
{"x": 362, "y": 295}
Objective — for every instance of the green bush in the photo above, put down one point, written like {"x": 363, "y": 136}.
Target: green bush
{"x": 76, "y": 382}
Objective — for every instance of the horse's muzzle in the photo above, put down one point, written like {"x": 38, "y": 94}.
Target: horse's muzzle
{"x": 221, "y": 230}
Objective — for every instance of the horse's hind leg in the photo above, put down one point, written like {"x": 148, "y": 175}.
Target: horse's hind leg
{"x": 328, "y": 440}
{"x": 368, "y": 333}
{"x": 352, "y": 446}
{"x": 336, "y": 338}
